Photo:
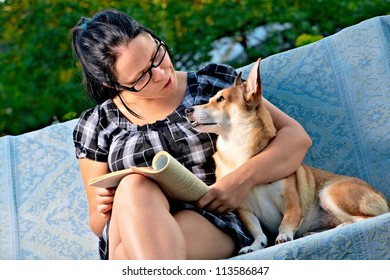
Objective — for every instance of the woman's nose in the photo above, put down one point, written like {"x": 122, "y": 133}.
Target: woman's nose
{"x": 158, "y": 73}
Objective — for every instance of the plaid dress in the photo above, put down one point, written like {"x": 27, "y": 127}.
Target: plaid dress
{"x": 104, "y": 134}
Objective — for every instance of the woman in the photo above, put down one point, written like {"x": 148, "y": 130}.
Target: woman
{"x": 140, "y": 110}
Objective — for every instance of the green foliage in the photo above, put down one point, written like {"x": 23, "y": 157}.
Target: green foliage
{"x": 40, "y": 82}
{"x": 305, "y": 39}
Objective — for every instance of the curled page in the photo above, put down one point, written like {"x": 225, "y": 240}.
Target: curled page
{"x": 176, "y": 181}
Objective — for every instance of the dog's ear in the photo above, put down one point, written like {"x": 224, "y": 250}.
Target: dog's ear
{"x": 238, "y": 80}
{"x": 252, "y": 94}
{"x": 254, "y": 80}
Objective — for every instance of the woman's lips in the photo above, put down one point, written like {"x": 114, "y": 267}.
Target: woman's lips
{"x": 168, "y": 83}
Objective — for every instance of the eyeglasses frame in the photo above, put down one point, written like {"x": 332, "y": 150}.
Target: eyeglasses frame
{"x": 149, "y": 70}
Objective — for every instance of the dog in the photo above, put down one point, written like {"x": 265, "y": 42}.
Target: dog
{"x": 308, "y": 201}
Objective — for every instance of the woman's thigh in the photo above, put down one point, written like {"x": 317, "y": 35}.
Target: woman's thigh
{"x": 141, "y": 225}
{"x": 203, "y": 239}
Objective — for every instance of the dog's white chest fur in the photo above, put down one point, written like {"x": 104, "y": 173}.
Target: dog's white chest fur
{"x": 266, "y": 202}
{"x": 231, "y": 153}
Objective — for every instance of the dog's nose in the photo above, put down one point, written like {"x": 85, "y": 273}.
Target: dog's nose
{"x": 188, "y": 111}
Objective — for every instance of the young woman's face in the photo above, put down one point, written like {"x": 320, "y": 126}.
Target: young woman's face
{"x": 144, "y": 65}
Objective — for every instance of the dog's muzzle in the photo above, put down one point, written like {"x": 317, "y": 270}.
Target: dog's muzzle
{"x": 189, "y": 112}
{"x": 194, "y": 120}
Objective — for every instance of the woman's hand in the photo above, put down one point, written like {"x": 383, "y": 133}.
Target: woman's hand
{"x": 104, "y": 200}
{"x": 226, "y": 194}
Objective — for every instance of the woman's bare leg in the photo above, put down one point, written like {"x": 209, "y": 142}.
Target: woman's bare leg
{"x": 141, "y": 226}
{"x": 203, "y": 239}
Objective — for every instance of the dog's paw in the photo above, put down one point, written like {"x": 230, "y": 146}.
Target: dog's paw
{"x": 245, "y": 250}
{"x": 284, "y": 237}
{"x": 258, "y": 244}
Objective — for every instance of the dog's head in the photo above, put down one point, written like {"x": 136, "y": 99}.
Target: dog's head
{"x": 237, "y": 106}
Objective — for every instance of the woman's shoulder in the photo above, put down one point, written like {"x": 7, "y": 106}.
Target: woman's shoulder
{"x": 99, "y": 117}
{"x": 104, "y": 110}
{"x": 217, "y": 71}
{"x": 207, "y": 81}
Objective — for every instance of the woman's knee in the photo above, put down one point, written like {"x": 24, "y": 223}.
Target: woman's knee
{"x": 136, "y": 188}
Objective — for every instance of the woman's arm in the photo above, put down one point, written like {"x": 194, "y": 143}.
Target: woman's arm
{"x": 279, "y": 159}
{"x": 99, "y": 199}
{"x": 284, "y": 154}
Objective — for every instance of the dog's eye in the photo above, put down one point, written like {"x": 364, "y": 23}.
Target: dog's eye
{"x": 220, "y": 98}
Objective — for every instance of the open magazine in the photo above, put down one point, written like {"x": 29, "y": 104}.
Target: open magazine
{"x": 176, "y": 181}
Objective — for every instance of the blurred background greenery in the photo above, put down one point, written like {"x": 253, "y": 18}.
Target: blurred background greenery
{"x": 40, "y": 82}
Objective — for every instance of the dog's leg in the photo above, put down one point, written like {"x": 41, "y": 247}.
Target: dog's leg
{"x": 252, "y": 224}
{"x": 293, "y": 214}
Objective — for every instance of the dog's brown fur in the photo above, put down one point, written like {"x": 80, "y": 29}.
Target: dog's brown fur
{"x": 310, "y": 200}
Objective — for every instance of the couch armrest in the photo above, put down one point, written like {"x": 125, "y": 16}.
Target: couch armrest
{"x": 45, "y": 213}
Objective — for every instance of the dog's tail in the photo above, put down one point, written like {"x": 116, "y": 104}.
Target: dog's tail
{"x": 379, "y": 208}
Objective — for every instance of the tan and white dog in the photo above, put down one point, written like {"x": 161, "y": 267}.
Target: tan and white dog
{"x": 310, "y": 200}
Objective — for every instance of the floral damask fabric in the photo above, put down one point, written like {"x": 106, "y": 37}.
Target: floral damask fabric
{"x": 46, "y": 212}
{"x": 338, "y": 88}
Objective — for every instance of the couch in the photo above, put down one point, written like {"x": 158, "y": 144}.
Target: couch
{"x": 338, "y": 88}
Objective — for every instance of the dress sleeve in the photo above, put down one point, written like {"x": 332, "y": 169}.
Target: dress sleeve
{"x": 215, "y": 77}
{"x": 88, "y": 138}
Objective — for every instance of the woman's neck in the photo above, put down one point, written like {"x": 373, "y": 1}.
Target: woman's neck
{"x": 141, "y": 111}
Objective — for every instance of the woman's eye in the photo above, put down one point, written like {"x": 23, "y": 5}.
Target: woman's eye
{"x": 159, "y": 54}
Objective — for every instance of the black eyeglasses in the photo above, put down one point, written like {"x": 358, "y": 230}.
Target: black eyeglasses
{"x": 145, "y": 78}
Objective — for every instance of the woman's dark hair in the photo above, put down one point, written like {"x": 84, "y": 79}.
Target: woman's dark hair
{"x": 96, "y": 43}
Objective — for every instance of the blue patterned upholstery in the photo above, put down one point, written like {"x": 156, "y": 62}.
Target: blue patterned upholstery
{"x": 338, "y": 88}
{"x": 45, "y": 213}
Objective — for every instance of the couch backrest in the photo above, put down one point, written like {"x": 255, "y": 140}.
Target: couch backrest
{"x": 339, "y": 89}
